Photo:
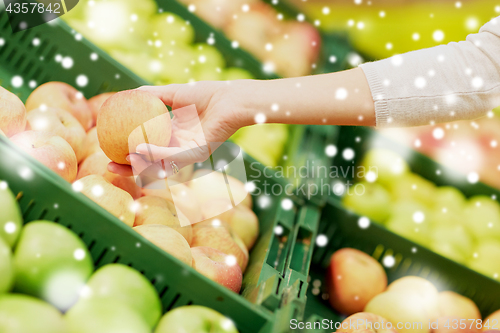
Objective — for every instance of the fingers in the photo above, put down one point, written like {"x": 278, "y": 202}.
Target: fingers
{"x": 120, "y": 169}
{"x": 165, "y": 93}
{"x": 182, "y": 156}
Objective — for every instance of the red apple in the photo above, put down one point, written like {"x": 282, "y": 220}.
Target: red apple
{"x": 365, "y": 322}
{"x": 97, "y": 164}
{"x": 255, "y": 28}
{"x": 113, "y": 199}
{"x": 124, "y": 120}
{"x": 354, "y": 278}
{"x": 12, "y": 113}
{"x": 63, "y": 96}
{"x": 217, "y": 266}
{"x": 96, "y": 102}
{"x": 213, "y": 233}
{"x": 49, "y": 149}
{"x": 168, "y": 240}
{"x": 59, "y": 122}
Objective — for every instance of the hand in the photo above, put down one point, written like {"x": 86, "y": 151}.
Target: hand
{"x": 206, "y": 114}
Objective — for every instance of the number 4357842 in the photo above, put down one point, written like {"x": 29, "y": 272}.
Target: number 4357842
{"x": 33, "y": 7}
{"x": 456, "y": 324}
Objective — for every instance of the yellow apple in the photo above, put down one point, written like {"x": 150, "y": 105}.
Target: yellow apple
{"x": 129, "y": 118}
{"x": 91, "y": 143}
{"x": 59, "y": 122}
{"x": 12, "y": 113}
{"x": 156, "y": 210}
{"x": 63, "y": 96}
{"x": 401, "y": 307}
{"x": 455, "y": 305}
{"x": 208, "y": 185}
{"x": 168, "y": 240}
{"x": 96, "y": 102}
{"x": 365, "y": 322}
{"x": 423, "y": 288}
{"x": 241, "y": 219}
{"x": 493, "y": 320}
{"x": 49, "y": 149}
{"x": 113, "y": 199}
{"x": 97, "y": 164}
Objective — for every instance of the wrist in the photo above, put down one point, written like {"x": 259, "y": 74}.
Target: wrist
{"x": 247, "y": 96}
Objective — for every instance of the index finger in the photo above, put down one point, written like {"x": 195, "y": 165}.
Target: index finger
{"x": 165, "y": 93}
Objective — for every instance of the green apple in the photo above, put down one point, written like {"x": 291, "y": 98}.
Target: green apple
{"x": 254, "y": 140}
{"x": 414, "y": 188}
{"x": 26, "y": 314}
{"x": 235, "y": 73}
{"x": 105, "y": 316}
{"x": 482, "y": 217}
{"x": 126, "y": 285}
{"x": 178, "y": 63}
{"x": 169, "y": 27}
{"x": 447, "y": 250}
{"x": 374, "y": 202}
{"x": 207, "y": 56}
{"x": 208, "y": 74}
{"x": 449, "y": 199}
{"x": 11, "y": 219}
{"x": 195, "y": 319}
{"x": 388, "y": 165}
{"x": 456, "y": 235}
{"x": 485, "y": 259}
{"x": 410, "y": 220}
{"x": 51, "y": 263}
{"x": 444, "y": 217}
{"x": 6, "y": 267}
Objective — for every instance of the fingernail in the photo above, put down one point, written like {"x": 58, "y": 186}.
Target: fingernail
{"x": 127, "y": 158}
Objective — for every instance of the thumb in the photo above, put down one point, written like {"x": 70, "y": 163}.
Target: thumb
{"x": 165, "y": 93}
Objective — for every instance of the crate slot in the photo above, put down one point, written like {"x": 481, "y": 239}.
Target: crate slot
{"x": 91, "y": 245}
{"x": 278, "y": 249}
{"x": 172, "y": 304}
{"x": 43, "y": 214}
{"x": 117, "y": 258}
{"x": 99, "y": 258}
{"x": 163, "y": 291}
{"x": 303, "y": 246}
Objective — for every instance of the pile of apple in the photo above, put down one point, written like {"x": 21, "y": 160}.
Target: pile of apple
{"x": 61, "y": 135}
{"x": 440, "y": 218}
{"x": 56, "y": 290}
{"x": 289, "y": 48}
{"x": 357, "y": 287}
{"x": 158, "y": 46}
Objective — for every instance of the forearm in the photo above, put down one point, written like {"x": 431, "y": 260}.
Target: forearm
{"x": 444, "y": 83}
{"x": 341, "y": 98}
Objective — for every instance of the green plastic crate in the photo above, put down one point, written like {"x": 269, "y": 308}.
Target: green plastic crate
{"x": 266, "y": 302}
{"x": 341, "y": 229}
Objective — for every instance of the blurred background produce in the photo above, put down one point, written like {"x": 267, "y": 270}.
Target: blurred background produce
{"x": 437, "y": 217}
